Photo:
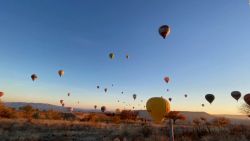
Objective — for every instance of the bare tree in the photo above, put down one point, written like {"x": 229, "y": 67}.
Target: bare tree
{"x": 245, "y": 109}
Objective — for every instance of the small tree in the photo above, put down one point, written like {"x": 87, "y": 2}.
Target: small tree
{"x": 6, "y": 112}
{"x": 221, "y": 121}
{"x": 175, "y": 115}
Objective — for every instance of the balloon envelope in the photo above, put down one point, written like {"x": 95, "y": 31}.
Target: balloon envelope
{"x": 157, "y": 107}
{"x": 170, "y": 99}
{"x": 210, "y": 98}
{"x": 236, "y": 95}
{"x": 111, "y": 55}
{"x": 166, "y": 79}
{"x": 103, "y": 108}
{"x": 134, "y": 96}
{"x": 1, "y": 94}
{"x": 34, "y": 77}
{"x": 247, "y": 99}
{"x": 61, "y": 73}
{"x": 164, "y": 31}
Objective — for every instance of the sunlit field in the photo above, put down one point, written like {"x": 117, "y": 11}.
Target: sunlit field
{"x": 134, "y": 70}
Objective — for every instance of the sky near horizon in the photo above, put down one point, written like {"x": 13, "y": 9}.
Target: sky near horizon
{"x": 207, "y": 51}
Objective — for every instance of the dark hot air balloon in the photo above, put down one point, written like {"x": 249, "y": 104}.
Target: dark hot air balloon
{"x": 164, "y": 31}
{"x": 210, "y": 98}
{"x": 103, "y": 108}
{"x": 170, "y": 99}
{"x": 134, "y": 96}
{"x": 236, "y": 95}
{"x": 34, "y": 77}
{"x": 247, "y": 99}
{"x": 111, "y": 55}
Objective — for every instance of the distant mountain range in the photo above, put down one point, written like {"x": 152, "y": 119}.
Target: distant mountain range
{"x": 236, "y": 119}
{"x": 43, "y": 106}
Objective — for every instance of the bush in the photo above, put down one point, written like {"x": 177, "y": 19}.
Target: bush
{"x": 53, "y": 115}
{"x": 128, "y": 115}
{"x": 6, "y": 112}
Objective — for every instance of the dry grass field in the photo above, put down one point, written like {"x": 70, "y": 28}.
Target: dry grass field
{"x": 28, "y": 124}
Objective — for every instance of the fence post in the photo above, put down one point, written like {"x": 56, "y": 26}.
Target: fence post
{"x": 171, "y": 131}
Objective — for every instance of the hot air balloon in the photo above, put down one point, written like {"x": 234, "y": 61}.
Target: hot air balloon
{"x": 133, "y": 107}
{"x": 166, "y": 79}
{"x": 141, "y": 100}
{"x": 61, "y": 73}
{"x": 63, "y": 104}
{"x": 164, "y": 31}
{"x": 127, "y": 56}
{"x": 202, "y": 105}
{"x": 134, "y": 96}
{"x": 185, "y": 95}
{"x": 158, "y": 107}
{"x": 112, "y": 85}
{"x": 122, "y": 92}
{"x": 247, "y": 99}
{"x": 95, "y": 106}
{"x": 118, "y": 101}
{"x": 68, "y": 94}
{"x": 167, "y": 90}
{"x": 111, "y": 55}
{"x": 97, "y": 87}
{"x": 103, "y": 108}
{"x": 170, "y": 99}
{"x": 1, "y": 94}
{"x": 61, "y": 101}
{"x": 236, "y": 95}
{"x": 105, "y": 90}
{"x": 210, "y": 98}
{"x": 34, "y": 77}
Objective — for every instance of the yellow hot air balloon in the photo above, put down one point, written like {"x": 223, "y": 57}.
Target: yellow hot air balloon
{"x": 157, "y": 107}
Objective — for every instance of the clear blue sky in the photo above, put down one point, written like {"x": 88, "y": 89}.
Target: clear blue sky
{"x": 206, "y": 52}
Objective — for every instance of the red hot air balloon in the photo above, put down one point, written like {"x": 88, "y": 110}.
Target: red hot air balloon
{"x": 166, "y": 79}
{"x": 247, "y": 99}
{"x": 1, "y": 94}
